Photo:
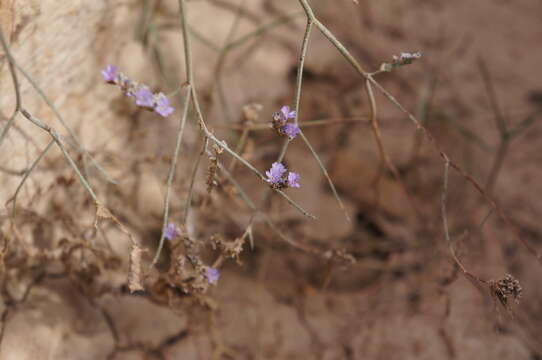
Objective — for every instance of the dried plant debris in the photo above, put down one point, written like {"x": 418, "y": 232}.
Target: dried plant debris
{"x": 189, "y": 274}
{"x": 212, "y": 170}
{"x": 135, "y": 278}
{"x": 506, "y": 289}
{"x": 231, "y": 249}
{"x": 405, "y": 58}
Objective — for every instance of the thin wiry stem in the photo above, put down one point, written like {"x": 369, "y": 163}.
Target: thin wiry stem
{"x": 267, "y": 219}
{"x": 382, "y": 150}
{"x": 18, "y": 99}
{"x": 262, "y": 30}
{"x": 195, "y": 101}
{"x": 299, "y": 82}
{"x": 326, "y": 175}
{"x": 329, "y": 35}
{"x": 301, "y": 124}
{"x": 172, "y": 169}
{"x": 225, "y": 146}
{"x": 14, "y": 65}
{"x": 240, "y": 146}
{"x": 457, "y": 168}
{"x": 355, "y": 64}
{"x": 220, "y": 64}
{"x": 56, "y": 139}
{"x": 26, "y": 175}
{"x": 12, "y": 172}
{"x": 444, "y": 216}
{"x": 500, "y": 120}
{"x": 193, "y": 180}
{"x": 497, "y": 164}
{"x": 500, "y": 123}
{"x": 75, "y": 143}
{"x": 301, "y": 66}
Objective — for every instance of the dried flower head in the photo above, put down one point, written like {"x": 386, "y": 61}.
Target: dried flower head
{"x": 212, "y": 169}
{"x": 505, "y": 288}
{"x": 404, "y": 59}
{"x": 229, "y": 248}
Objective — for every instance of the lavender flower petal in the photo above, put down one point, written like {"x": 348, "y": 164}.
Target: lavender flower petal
{"x": 171, "y": 231}
{"x": 293, "y": 180}
{"x": 162, "y": 106}
{"x": 110, "y": 73}
{"x": 274, "y": 175}
{"x": 286, "y": 113}
{"x": 212, "y": 275}
{"x": 144, "y": 97}
{"x": 291, "y": 130}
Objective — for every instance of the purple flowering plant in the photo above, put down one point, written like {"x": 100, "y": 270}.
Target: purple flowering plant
{"x": 281, "y": 125}
{"x": 144, "y": 98}
{"x": 279, "y": 177}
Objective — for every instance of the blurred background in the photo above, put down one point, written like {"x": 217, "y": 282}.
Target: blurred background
{"x": 394, "y": 287}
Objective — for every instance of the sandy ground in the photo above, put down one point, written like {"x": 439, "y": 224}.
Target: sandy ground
{"x": 64, "y": 285}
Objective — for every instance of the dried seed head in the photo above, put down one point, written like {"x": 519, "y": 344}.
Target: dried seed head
{"x": 505, "y": 288}
{"x": 251, "y": 112}
{"x": 405, "y": 58}
{"x": 213, "y": 168}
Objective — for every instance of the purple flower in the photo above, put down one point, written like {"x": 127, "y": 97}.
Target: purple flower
{"x": 291, "y": 130}
{"x": 126, "y": 85}
{"x": 286, "y": 113}
{"x": 212, "y": 275}
{"x": 281, "y": 125}
{"x": 144, "y": 97}
{"x": 274, "y": 175}
{"x": 171, "y": 231}
{"x": 162, "y": 106}
{"x": 110, "y": 73}
{"x": 293, "y": 180}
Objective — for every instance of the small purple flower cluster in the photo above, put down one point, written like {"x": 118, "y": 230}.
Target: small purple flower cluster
{"x": 171, "y": 231}
{"x": 144, "y": 98}
{"x": 212, "y": 275}
{"x": 281, "y": 125}
{"x": 278, "y": 178}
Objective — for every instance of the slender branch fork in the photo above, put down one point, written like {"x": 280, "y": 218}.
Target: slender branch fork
{"x": 192, "y": 99}
{"x": 370, "y": 79}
